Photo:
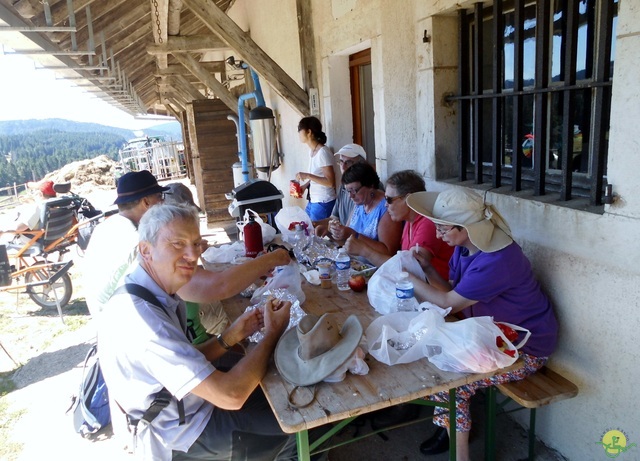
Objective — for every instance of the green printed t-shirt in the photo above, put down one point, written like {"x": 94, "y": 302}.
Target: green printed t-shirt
{"x": 197, "y": 332}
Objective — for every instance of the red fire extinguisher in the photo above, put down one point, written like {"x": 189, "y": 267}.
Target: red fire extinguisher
{"x": 252, "y": 237}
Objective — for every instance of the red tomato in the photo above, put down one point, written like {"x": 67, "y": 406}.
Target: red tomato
{"x": 509, "y": 332}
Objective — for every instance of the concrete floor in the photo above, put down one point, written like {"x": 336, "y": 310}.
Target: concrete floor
{"x": 403, "y": 444}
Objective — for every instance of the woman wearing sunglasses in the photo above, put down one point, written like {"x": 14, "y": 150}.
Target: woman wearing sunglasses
{"x": 369, "y": 222}
{"x": 419, "y": 232}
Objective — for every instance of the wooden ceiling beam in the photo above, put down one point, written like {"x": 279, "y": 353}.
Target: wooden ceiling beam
{"x": 192, "y": 43}
{"x": 126, "y": 39}
{"x": 182, "y": 82}
{"x": 216, "y": 20}
{"x": 307, "y": 47}
{"x": 209, "y": 80}
{"x": 171, "y": 110}
{"x": 133, "y": 59}
{"x": 122, "y": 18}
{"x": 144, "y": 80}
{"x": 176, "y": 94}
{"x": 173, "y": 19}
{"x": 179, "y": 82}
{"x": 27, "y": 8}
{"x": 149, "y": 94}
{"x": 179, "y": 69}
{"x": 60, "y": 12}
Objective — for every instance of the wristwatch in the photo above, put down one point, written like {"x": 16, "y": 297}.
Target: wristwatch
{"x": 222, "y": 342}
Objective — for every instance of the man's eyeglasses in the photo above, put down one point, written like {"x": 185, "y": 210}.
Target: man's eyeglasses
{"x": 442, "y": 231}
{"x": 390, "y": 200}
{"x": 354, "y": 192}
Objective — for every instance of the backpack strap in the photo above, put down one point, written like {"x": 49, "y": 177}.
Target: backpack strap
{"x": 144, "y": 293}
{"x": 164, "y": 397}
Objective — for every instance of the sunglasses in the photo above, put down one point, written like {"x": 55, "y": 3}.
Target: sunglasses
{"x": 390, "y": 200}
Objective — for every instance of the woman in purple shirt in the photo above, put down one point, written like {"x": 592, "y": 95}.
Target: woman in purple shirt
{"x": 489, "y": 276}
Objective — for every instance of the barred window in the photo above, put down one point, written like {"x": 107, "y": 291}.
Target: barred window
{"x": 535, "y": 92}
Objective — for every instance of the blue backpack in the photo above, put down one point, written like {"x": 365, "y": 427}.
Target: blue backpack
{"x": 91, "y": 405}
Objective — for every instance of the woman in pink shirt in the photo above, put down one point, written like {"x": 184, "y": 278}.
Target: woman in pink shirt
{"x": 418, "y": 230}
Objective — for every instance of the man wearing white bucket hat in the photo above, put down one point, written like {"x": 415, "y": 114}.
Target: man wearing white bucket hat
{"x": 347, "y": 156}
{"x": 489, "y": 276}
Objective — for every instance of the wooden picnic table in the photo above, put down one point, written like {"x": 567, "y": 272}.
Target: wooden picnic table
{"x": 382, "y": 387}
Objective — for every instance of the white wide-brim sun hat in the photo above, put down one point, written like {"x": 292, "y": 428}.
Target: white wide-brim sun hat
{"x": 316, "y": 348}
{"x": 487, "y": 230}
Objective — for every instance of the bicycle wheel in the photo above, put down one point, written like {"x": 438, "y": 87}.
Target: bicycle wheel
{"x": 43, "y": 295}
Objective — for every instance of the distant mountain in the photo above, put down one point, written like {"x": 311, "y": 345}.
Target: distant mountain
{"x": 13, "y": 127}
{"x": 170, "y": 130}
{"x": 33, "y": 148}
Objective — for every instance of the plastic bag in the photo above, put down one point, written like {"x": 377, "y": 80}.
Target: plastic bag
{"x": 284, "y": 277}
{"x": 292, "y": 214}
{"x": 399, "y": 337}
{"x": 355, "y": 365}
{"x": 224, "y": 253}
{"x": 381, "y": 288}
{"x": 470, "y": 346}
{"x": 268, "y": 231}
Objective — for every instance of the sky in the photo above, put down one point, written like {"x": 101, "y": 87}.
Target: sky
{"x": 30, "y": 93}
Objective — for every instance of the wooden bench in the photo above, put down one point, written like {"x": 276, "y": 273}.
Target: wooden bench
{"x": 541, "y": 388}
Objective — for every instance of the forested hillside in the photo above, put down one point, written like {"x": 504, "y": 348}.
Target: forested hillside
{"x": 30, "y": 156}
{"x": 32, "y": 148}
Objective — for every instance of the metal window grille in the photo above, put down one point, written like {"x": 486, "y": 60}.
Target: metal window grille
{"x": 535, "y": 83}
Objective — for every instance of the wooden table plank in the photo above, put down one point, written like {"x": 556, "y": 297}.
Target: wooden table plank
{"x": 382, "y": 387}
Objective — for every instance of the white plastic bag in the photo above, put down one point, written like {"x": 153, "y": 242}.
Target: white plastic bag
{"x": 268, "y": 231}
{"x": 355, "y": 365}
{"x": 381, "y": 288}
{"x": 470, "y": 346}
{"x": 291, "y": 214}
{"x": 284, "y": 277}
{"x": 399, "y": 337}
{"x": 223, "y": 253}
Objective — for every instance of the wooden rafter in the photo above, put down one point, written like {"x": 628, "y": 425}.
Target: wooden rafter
{"x": 179, "y": 69}
{"x": 209, "y": 80}
{"x": 192, "y": 43}
{"x": 122, "y": 18}
{"x": 216, "y": 20}
{"x": 60, "y": 13}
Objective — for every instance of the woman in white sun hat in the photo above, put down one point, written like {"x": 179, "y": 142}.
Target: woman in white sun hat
{"x": 489, "y": 275}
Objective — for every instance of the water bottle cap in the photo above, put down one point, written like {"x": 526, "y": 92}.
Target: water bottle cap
{"x": 404, "y": 275}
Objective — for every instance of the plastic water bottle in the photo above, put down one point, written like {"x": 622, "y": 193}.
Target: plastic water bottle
{"x": 343, "y": 269}
{"x": 299, "y": 242}
{"x": 406, "y": 302}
